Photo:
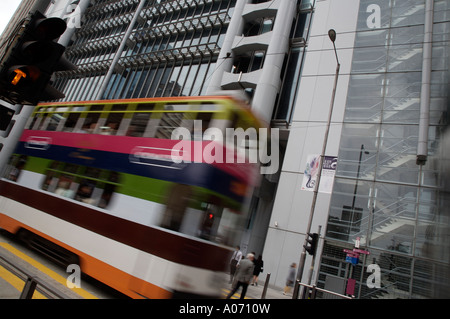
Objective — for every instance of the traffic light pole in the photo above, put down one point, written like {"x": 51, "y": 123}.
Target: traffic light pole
{"x": 311, "y": 268}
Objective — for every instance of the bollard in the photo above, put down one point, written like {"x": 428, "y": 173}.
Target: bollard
{"x": 296, "y": 289}
{"x": 266, "y": 284}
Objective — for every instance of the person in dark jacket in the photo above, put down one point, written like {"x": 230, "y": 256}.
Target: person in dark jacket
{"x": 259, "y": 268}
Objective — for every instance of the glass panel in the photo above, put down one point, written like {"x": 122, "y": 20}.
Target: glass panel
{"x": 408, "y": 12}
{"x": 358, "y": 149}
{"x": 200, "y": 78}
{"x": 405, "y": 58}
{"x": 372, "y": 38}
{"x": 393, "y": 222}
{"x": 365, "y": 98}
{"x": 112, "y": 124}
{"x": 90, "y": 123}
{"x": 168, "y": 123}
{"x": 397, "y": 154}
{"x": 369, "y": 60}
{"x": 173, "y": 84}
{"x": 138, "y": 124}
{"x": 71, "y": 122}
{"x": 349, "y": 210}
{"x": 190, "y": 80}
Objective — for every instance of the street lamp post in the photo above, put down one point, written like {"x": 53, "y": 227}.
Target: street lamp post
{"x": 332, "y": 36}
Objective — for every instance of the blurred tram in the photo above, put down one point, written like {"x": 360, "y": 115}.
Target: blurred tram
{"x": 95, "y": 183}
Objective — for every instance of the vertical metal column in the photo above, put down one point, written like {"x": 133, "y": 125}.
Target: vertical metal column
{"x": 424, "y": 119}
{"x": 120, "y": 49}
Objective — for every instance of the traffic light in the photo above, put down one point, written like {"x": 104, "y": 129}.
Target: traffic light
{"x": 312, "y": 240}
{"x": 30, "y": 59}
{"x": 6, "y": 115}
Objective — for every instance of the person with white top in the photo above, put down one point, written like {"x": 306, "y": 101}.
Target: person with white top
{"x": 234, "y": 262}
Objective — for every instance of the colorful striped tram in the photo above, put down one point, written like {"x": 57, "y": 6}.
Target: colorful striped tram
{"x": 95, "y": 183}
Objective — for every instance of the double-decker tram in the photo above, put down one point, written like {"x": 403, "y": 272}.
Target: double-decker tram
{"x": 106, "y": 185}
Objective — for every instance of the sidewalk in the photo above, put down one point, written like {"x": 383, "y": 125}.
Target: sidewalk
{"x": 255, "y": 292}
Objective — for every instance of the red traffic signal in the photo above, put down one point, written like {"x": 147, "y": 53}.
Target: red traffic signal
{"x": 27, "y": 67}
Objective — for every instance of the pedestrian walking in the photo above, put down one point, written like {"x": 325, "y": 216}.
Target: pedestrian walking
{"x": 259, "y": 268}
{"x": 290, "y": 279}
{"x": 244, "y": 274}
{"x": 234, "y": 262}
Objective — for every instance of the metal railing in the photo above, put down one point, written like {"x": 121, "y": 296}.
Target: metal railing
{"x": 33, "y": 280}
{"x": 310, "y": 292}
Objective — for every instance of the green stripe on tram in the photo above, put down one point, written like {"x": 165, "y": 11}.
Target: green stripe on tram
{"x": 154, "y": 190}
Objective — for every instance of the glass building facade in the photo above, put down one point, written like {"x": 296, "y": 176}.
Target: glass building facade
{"x": 135, "y": 49}
{"x": 381, "y": 196}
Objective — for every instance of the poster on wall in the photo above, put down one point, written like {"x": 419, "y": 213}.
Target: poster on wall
{"x": 312, "y": 169}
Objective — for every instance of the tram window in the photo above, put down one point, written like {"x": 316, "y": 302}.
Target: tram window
{"x": 178, "y": 201}
{"x": 85, "y": 191}
{"x": 108, "y": 189}
{"x": 90, "y": 123}
{"x": 169, "y": 122}
{"x": 71, "y": 168}
{"x": 64, "y": 186}
{"x": 106, "y": 195}
{"x": 89, "y": 185}
{"x": 32, "y": 121}
{"x": 71, "y": 121}
{"x": 14, "y": 167}
{"x": 193, "y": 214}
{"x": 138, "y": 124}
{"x": 43, "y": 122}
{"x": 205, "y": 119}
{"x": 54, "y": 120}
{"x": 112, "y": 124}
{"x": 46, "y": 185}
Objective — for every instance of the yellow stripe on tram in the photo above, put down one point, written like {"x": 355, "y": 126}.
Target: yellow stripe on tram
{"x": 17, "y": 283}
{"x": 47, "y": 271}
